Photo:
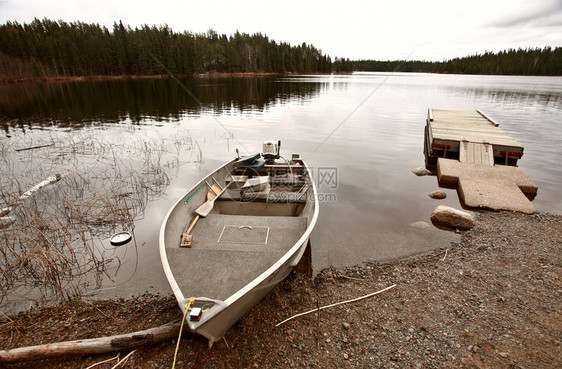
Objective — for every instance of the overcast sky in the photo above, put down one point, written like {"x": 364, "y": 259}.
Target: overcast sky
{"x": 382, "y": 30}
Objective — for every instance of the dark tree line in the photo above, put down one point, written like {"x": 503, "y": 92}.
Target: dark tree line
{"x": 342, "y": 65}
{"x": 531, "y": 61}
{"x": 45, "y": 48}
{"x": 53, "y": 48}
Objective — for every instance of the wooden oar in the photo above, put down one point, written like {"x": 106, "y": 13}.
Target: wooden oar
{"x": 187, "y": 238}
{"x": 214, "y": 191}
{"x": 206, "y": 208}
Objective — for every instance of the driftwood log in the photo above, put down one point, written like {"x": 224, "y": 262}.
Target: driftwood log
{"x": 123, "y": 342}
{"x": 49, "y": 180}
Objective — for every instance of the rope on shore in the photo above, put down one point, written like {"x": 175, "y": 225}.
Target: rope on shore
{"x": 187, "y": 308}
{"x": 336, "y": 304}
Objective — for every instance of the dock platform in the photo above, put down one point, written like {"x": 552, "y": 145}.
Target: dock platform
{"x": 455, "y": 134}
{"x": 471, "y": 153}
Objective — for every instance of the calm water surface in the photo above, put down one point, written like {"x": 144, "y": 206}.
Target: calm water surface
{"x": 365, "y": 130}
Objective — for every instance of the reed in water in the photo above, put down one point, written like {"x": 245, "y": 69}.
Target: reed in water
{"x": 54, "y": 238}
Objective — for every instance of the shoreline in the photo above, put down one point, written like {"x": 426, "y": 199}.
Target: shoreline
{"x": 491, "y": 300}
{"x": 222, "y": 75}
{"x": 136, "y": 76}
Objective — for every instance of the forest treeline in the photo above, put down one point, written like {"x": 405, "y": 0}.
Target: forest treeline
{"x": 57, "y": 48}
{"x": 531, "y": 61}
{"x": 46, "y": 48}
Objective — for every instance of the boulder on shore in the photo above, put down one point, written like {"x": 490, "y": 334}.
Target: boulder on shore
{"x": 452, "y": 218}
{"x": 438, "y": 195}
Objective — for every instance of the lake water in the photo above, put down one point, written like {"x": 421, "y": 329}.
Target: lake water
{"x": 361, "y": 133}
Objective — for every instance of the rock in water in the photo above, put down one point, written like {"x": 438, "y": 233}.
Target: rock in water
{"x": 421, "y": 171}
{"x": 420, "y": 225}
{"x": 438, "y": 195}
{"x": 453, "y": 218}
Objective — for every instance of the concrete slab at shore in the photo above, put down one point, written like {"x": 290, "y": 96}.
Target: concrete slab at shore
{"x": 473, "y": 154}
{"x": 496, "y": 187}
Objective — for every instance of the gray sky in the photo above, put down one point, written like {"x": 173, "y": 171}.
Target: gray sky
{"x": 390, "y": 29}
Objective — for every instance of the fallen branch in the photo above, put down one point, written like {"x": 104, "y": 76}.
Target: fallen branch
{"x": 123, "y": 342}
{"x": 6, "y": 221}
{"x": 336, "y": 304}
{"x": 49, "y": 180}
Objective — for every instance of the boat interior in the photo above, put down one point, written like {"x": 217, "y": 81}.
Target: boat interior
{"x": 281, "y": 190}
{"x": 259, "y": 217}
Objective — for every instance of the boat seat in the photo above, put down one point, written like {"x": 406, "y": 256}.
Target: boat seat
{"x": 281, "y": 181}
{"x": 254, "y": 167}
{"x": 272, "y": 197}
{"x": 287, "y": 197}
{"x": 247, "y": 160}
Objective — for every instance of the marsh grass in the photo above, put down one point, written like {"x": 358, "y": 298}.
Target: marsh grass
{"x": 57, "y": 247}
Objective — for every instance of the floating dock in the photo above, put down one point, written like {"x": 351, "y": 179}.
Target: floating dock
{"x": 468, "y": 136}
{"x": 470, "y": 152}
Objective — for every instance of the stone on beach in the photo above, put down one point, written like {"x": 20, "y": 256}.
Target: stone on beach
{"x": 451, "y": 217}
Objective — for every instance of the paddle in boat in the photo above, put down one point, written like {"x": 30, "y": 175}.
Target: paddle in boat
{"x": 235, "y": 235}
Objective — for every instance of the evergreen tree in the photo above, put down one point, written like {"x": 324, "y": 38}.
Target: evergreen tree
{"x": 52, "y": 48}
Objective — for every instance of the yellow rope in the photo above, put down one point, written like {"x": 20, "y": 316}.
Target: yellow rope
{"x": 187, "y": 308}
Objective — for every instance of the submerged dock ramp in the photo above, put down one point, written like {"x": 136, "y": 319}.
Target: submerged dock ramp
{"x": 471, "y": 153}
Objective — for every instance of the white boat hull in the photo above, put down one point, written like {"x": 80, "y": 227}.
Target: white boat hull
{"x": 221, "y": 308}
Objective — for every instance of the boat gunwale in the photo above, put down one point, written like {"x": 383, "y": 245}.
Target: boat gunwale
{"x": 259, "y": 279}
{"x": 292, "y": 251}
{"x": 161, "y": 237}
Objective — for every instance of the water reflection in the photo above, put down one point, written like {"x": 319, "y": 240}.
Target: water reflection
{"x": 510, "y": 97}
{"x": 367, "y": 127}
{"x": 78, "y": 103}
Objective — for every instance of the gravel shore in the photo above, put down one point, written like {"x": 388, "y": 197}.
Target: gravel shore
{"x": 490, "y": 301}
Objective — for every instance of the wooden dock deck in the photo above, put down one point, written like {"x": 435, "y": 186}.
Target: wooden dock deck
{"x": 472, "y": 153}
{"x": 451, "y": 134}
